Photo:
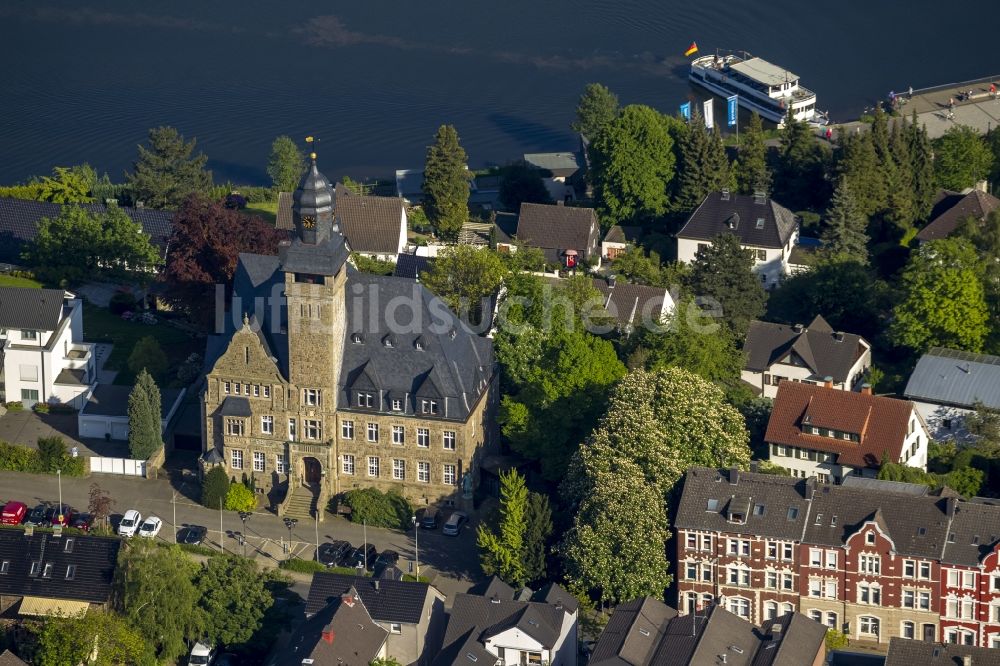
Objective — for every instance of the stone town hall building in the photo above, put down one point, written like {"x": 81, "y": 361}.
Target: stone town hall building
{"x": 336, "y": 379}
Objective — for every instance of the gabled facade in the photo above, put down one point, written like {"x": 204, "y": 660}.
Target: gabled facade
{"x": 824, "y": 432}
{"x": 808, "y": 354}
{"x": 343, "y": 632}
{"x": 618, "y": 240}
{"x": 44, "y": 357}
{"x": 557, "y": 171}
{"x": 764, "y": 227}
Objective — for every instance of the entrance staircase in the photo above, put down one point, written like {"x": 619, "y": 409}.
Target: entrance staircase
{"x": 301, "y": 504}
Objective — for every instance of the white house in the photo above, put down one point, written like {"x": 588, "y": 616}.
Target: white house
{"x": 809, "y": 354}
{"x": 764, "y": 227}
{"x": 827, "y": 433}
{"x": 557, "y": 170}
{"x": 947, "y": 384}
{"x": 618, "y": 240}
{"x": 44, "y": 357}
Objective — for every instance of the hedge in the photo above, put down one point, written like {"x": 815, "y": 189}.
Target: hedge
{"x": 378, "y": 509}
{"x": 50, "y": 456}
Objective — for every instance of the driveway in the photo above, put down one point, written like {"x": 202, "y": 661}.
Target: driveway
{"x": 26, "y": 427}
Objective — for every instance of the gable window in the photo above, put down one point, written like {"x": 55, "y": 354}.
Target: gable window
{"x": 237, "y": 388}
{"x": 236, "y": 459}
{"x": 397, "y": 405}
{"x": 372, "y": 466}
{"x": 423, "y": 438}
{"x": 234, "y": 427}
{"x": 869, "y": 564}
{"x": 256, "y": 390}
{"x": 449, "y": 478}
{"x": 310, "y": 397}
{"x": 313, "y": 429}
{"x": 429, "y": 406}
{"x": 267, "y": 425}
{"x": 398, "y": 434}
{"x": 364, "y": 399}
{"x": 347, "y": 429}
{"x": 373, "y": 432}
{"x": 448, "y": 440}
{"x": 423, "y": 472}
{"x": 246, "y": 389}
{"x": 870, "y": 538}
{"x": 347, "y": 464}
{"x": 258, "y": 461}
{"x": 398, "y": 469}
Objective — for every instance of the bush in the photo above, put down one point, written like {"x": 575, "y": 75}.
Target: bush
{"x": 214, "y": 487}
{"x": 379, "y": 509}
{"x": 240, "y": 498}
{"x": 373, "y": 266}
{"x": 302, "y": 566}
{"x": 235, "y": 201}
{"x": 190, "y": 370}
{"x": 51, "y": 452}
{"x": 836, "y": 640}
{"x": 15, "y": 406}
{"x": 41, "y": 408}
{"x": 121, "y": 302}
{"x": 148, "y": 354}
{"x": 50, "y": 456}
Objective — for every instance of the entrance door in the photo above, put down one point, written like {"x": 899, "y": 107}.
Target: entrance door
{"x": 314, "y": 471}
{"x": 930, "y": 633}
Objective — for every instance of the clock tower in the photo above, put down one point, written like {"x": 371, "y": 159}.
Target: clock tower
{"x": 312, "y": 206}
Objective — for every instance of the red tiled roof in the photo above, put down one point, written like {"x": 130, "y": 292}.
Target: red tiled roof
{"x": 881, "y": 422}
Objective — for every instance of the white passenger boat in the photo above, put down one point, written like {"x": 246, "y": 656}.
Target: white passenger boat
{"x": 769, "y": 90}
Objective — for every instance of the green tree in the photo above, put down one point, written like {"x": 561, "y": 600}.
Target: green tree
{"x": 446, "y": 183}
{"x": 993, "y": 143}
{"x": 924, "y": 184}
{"x": 836, "y": 640}
{"x": 149, "y": 356}
{"x": 859, "y": 169}
{"x": 723, "y": 271}
{"x": 286, "y": 165}
{"x": 902, "y": 205}
{"x": 638, "y": 267}
{"x": 522, "y": 183}
{"x": 167, "y": 172}
{"x": 800, "y": 170}
{"x": 68, "y": 185}
{"x": 67, "y": 247}
{"x": 752, "y": 172}
{"x": 144, "y": 418}
{"x": 51, "y": 453}
{"x": 597, "y": 108}
{"x": 943, "y": 300}
{"x": 961, "y": 158}
{"x": 703, "y": 167}
{"x": 214, "y": 488}
{"x": 984, "y": 424}
{"x": 125, "y": 249}
{"x": 373, "y": 507}
{"x": 502, "y": 550}
{"x": 157, "y": 597}
{"x": 844, "y": 235}
{"x": 232, "y": 597}
{"x": 536, "y": 536}
{"x": 464, "y": 277}
{"x": 98, "y": 638}
{"x": 240, "y": 498}
{"x": 632, "y": 163}
{"x": 985, "y": 236}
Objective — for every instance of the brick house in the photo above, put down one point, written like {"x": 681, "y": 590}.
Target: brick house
{"x": 336, "y": 379}
{"x": 876, "y": 559}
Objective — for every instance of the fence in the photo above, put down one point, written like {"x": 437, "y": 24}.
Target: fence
{"x": 125, "y": 466}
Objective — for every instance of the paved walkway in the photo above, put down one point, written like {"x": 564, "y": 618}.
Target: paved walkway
{"x": 26, "y": 427}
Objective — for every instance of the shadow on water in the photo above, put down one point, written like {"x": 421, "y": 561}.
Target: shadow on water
{"x": 530, "y": 132}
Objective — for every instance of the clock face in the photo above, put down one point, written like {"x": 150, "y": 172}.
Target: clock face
{"x": 308, "y": 222}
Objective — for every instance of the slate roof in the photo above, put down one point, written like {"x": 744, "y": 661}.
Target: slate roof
{"x": 324, "y": 258}
{"x": 820, "y": 348}
{"x": 112, "y": 400}
{"x": 19, "y": 223}
{"x": 390, "y": 601}
{"x": 974, "y": 532}
{"x": 952, "y": 209}
{"x": 283, "y": 218}
{"x": 797, "y": 644}
{"x": 341, "y": 632}
{"x": 716, "y": 214}
{"x": 31, "y": 309}
{"x": 630, "y": 303}
{"x": 494, "y": 587}
{"x": 371, "y": 224}
{"x": 956, "y": 378}
{"x": 94, "y": 559}
{"x": 881, "y": 422}
{"x": 558, "y": 228}
{"x": 904, "y": 652}
{"x": 410, "y": 266}
{"x": 623, "y": 234}
{"x": 633, "y": 633}
{"x": 560, "y": 165}
{"x": 555, "y": 595}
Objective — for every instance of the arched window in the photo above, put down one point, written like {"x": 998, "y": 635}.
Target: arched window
{"x": 770, "y": 610}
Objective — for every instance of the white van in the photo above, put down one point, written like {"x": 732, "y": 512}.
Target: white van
{"x": 201, "y": 655}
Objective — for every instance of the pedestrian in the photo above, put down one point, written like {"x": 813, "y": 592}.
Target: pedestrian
{"x": 829, "y": 134}
{"x": 993, "y": 90}
{"x": 911, "y": 92}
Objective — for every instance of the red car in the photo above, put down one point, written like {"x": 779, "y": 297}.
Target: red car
{"x": 13, "y": 513}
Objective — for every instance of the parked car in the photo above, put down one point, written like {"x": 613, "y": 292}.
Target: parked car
{"x": 151, "y": 527}
{"x": 36, "y": 517}
{"x": 82, "y": 521}
{"x": 59, "y": 516}
{"x": 192, "y": 535}
{"x": 429, "y": 521}
{"x": 13, "y": 513}
{"x": 201, "y": 655}
{"x": 130, "y": 523}
{"x": 363, "y": 556}
{"x": 453, "y": 527}
{"x": 333, "y": 553}
{"x": 385, "y": 559}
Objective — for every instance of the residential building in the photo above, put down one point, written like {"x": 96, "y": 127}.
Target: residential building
{"x": 808, "y": 354}
{"x": 953, "y": 208}
{"x": 411, "y": 614}
{"x": 875, "y": 559}
{"x": 647, "y": 632}
{"x": 342, "y": 632}
{"x": 499, "y": 628}
{"x": 45, "y": 575}
{"x": 484, "y": 189}
{"x": 558, "y": 171}
{"x": 567, "y": 235}
{"x": 765, "y": 227}
{"x": 105, "y": 413}
{"x": 19, "y": 220}
{"x": 917, "y": 653}
{"x": 824, "y": 432}
{"x": 44, "y": 357}
{"x": 8, "y": 658}
{"x": 618, "y": 240}
{"x": 336, "y": 379}
{"x": 947, "y": 384}
{"x": 626, "y": 306}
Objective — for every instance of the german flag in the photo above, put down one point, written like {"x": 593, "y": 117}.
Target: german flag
{"x": 692, "y": 49}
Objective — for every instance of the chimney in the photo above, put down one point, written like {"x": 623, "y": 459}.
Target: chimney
{"x": 981, "y": 185}
{"x": 328, "y": 634}
{"x": 725, "y": 194}
{"x": 612, "y": 279}
{"x": 967, "y": 660}
{"x": 866, "y": 388}
{"x": 375, "y": 582}
{"x": 828, "y": 382}
{"x": 759, "y": 197}
{"x": 797, "y": 328}
{"x": 348, "y": 600}
{"x": 734, "y": 476}
{"x": 560, "y": 202}
{"x": 951, "y": 505}
{"x": 838, "y": 336}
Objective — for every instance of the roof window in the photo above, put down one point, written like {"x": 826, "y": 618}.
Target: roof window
{"x": 819, "y": 518}
{"x": 68, "y": 546}
{"x": 356, "y": 338}
{"x": 4, "y": 567}
{"x": 36, "y": 566}
{"x": 760, "y": 223}
{"x": 793, "y": 513}
{"x": 713, "y": 505}
{"x": 71, "y": 572}
{"x": 47, "y": 572}
{"x": 921, "y": 531}
{"x": 471, "y": 657}
{"x": 758, "y": 509}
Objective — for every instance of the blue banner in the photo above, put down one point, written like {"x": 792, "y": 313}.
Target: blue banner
{"x": 732, "y": 103}
{"x": 686, "y": 110}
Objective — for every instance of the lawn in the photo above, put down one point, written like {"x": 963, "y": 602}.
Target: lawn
{"x": 11, "y": 281}
{"x": 99, "y": 325}
{"x": 267, "y": 210}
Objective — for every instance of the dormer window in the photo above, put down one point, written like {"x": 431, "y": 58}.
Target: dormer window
{"x": 397, "y": 405}
{"x": 428, "y": 406}
{"x": 364, "y": 399}
{"x": 389, "y": 341}
{"x": 356, "y": 338}
{"x": 418, "y": 344}
{"x": 29, "y": 335}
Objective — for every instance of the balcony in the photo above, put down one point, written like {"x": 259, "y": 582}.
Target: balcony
{"x": 77, "y": 356}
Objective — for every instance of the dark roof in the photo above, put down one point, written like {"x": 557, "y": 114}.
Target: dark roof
{"x": 235, "y": 406}
{"x": 342, "y": 632}
{"x": 633, "y": 633}
{"x": 494, "y": 587}
{"x": 957, "y": 378}
{"x": 8, "y": 658}
{"x": 283, "y": 217}
{"x": 797, "y": 644}
{"x": 739, "y": 214}
{"x": 629, "y": 303}
{"x": 623, "y": 234}
{"x": 72, "y": 377}
{"x": 386, "y": 600}
{"x": 31, "y": 309}
{"x": 371, "y": 224}
{"x": 410, "y": 266}
{"x": 112, "y": 400}
{"x": 558, "y": 227}
{"x": 904, "y": 652}
{"x": 817, "y": 346}
{"x": 94, "y": 559}
{"x": 19, "y": 223}
{"x": 953, "y": 208}
{"x": 556, "y": 595}
{"x": 505, "y": 225}
{"x": 973, "y": 533}
{"x": 326, "y": 257}
{"x": 881, "y": 423}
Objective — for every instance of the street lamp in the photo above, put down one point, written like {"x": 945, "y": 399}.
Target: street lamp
{"x": 244, "y": 516}
{"x": 290, "y": 524}
{"x": 416, "y": 547}
{"x": 60, "y": 512}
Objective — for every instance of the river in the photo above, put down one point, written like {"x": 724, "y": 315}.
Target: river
{"x": 373, "y": 79}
